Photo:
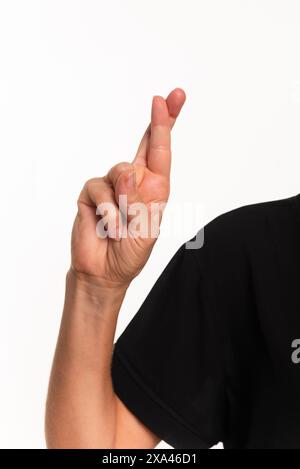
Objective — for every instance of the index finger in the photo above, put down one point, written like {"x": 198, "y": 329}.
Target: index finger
{"x": 159, "y": 148}
{"x": 175, "y": 101}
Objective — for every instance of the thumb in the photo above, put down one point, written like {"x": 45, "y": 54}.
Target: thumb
{"x": 128, "y": 183}
{"x": 135, "y": 213}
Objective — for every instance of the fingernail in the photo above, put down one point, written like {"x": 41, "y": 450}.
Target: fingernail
{"x": 158, "y": 100}
{"x": 159, "y": 111}
{"x": 131, "y": 180}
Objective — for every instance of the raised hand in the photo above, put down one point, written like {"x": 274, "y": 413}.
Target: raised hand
{"x": 116, "y": 259}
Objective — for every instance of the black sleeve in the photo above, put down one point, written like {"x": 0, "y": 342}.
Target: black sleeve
{"x": 167, "y": 364}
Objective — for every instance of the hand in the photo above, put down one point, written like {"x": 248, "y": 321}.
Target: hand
{"x": 116, "y": 260}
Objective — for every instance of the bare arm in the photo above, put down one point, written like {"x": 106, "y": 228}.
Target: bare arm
{"x": 82, "y": 409}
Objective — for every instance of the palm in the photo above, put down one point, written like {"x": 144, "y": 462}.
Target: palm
{"x": 120, "y": 260}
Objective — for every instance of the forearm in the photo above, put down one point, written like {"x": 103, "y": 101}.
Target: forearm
{"x": 80, "y": 409}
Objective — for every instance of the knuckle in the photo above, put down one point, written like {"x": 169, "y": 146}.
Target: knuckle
{"x": 96, "y": 185}
{"x": 88, "y": 184}
{"x": 118, "y": 169}
{"x": 123, "y": 166}
{"x": 160, "y": 147}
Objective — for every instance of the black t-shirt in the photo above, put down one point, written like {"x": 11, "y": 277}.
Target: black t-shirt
{"x": 213, "y": 354}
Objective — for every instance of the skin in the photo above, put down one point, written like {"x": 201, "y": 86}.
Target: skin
{"x": 82, "y": 410}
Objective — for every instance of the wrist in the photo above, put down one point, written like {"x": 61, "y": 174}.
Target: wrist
{"x": 87, "y": 288}
{"x": 88, "y": 325}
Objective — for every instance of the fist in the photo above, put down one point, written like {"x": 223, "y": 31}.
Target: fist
{"x": 118, "y": 216}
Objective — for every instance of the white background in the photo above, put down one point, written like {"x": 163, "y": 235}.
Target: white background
{"x": 76, "y": 83}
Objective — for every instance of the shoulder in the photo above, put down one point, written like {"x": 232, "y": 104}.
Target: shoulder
{"x": 245, "y": 216}
{"x": 241, "y": 221}
{"x": 247, "y": 225}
